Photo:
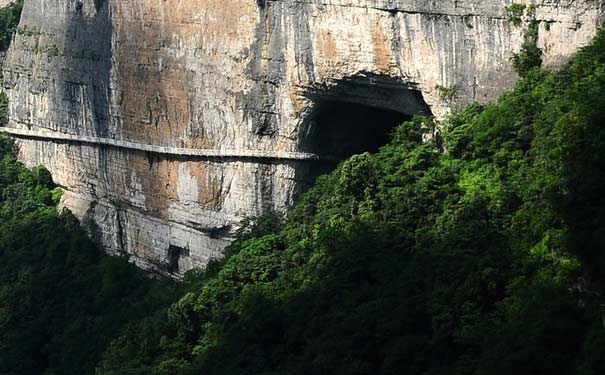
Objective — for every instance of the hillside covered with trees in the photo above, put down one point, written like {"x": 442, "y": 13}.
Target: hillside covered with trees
{"x": 481, "y": 255}
{"x": 478, "y": 253}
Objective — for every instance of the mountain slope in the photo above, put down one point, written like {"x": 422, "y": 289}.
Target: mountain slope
{"x": 484, "y": 259}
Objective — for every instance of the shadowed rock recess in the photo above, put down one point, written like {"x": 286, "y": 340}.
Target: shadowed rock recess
{"x": 169, "y": 121}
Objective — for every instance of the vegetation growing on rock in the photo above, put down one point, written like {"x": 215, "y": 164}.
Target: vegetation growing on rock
{"x": 514, "y": 13}
{"x": 530, "y": 56}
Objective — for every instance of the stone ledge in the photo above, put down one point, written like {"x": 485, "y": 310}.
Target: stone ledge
{"x": 176, "y": 151}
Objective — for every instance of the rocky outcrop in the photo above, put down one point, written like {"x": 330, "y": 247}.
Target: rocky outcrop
{"x": 169, "y": 121}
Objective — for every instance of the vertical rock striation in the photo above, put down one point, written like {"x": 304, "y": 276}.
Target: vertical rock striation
{"x": 169, "y": 121}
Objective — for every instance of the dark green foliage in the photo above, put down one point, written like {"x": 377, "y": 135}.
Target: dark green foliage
{"x": 9, "y": 20}
{"x": 484, "y": 260}
{"x": 3, "y": 109}
{"x": 61, "y": 301}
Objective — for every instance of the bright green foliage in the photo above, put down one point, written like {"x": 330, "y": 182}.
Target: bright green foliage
{"x": 9, "y": 19}
{"x": 484, "y": 260}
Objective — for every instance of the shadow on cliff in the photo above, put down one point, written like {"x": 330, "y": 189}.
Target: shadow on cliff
{"x": 84, "y": 76}
{"x": 267, "y": 69}
{"x": 87, "y": 66}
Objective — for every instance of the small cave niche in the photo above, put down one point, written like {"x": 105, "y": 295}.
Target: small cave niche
{"x": 356, "y": 115}
{"x": 175, "y": 255}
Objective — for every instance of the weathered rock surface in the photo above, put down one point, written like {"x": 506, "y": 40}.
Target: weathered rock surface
{"x": 167, "y": 121}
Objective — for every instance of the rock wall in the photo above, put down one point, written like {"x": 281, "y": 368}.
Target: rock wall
{"x": 167, "y": 121}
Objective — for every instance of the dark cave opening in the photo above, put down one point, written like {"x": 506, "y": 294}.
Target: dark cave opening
{"x": 175, "y": 255}
{"x": 354, "y": 115}
{"x": 344, "y": 129}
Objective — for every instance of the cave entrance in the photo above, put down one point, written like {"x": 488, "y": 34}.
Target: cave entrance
{"x": 345, "y": 129}
{"x": 356, "y": 115}
{"x": 175, "y": 256}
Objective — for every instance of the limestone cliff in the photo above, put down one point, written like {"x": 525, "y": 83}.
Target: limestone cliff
{"x": 167, "y": 121}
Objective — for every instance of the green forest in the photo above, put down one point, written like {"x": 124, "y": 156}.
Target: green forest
{"x": 479, "y": 253}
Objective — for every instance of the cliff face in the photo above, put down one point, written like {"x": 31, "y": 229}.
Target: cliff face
{"x": 169, "y": 121}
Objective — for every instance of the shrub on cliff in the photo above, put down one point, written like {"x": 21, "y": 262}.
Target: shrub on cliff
{"x": 530, "y": 56}
{"x": 3, "y": 109}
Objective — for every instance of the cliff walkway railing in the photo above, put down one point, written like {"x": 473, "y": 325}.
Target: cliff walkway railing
{"x": 172, "y": 151}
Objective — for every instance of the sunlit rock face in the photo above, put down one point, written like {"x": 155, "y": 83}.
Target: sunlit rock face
{"x": 168, "y": 121}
